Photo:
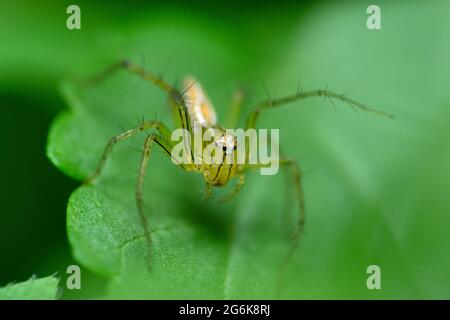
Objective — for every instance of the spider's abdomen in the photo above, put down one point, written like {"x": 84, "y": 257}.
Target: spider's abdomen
{"x": 199, "y": 107}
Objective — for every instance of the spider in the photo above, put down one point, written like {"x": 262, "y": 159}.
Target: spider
{"x": 192, "y": 109}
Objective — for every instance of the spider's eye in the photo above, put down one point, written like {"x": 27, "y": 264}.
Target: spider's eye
{"x": 234, "y": 147}
{"x": 224, "y": 148}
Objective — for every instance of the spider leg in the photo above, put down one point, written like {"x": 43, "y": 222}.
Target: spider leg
{"x": 126, "y": 65}
{"x": 237, "y": 188}
{"x": 174, "y": 95}
{"x": 297, "y": 180}
{"x": 289, "y": 201}
{"x": 235, "y": 108}
{"x": 176, "y": 98}
{"x": 275, "y": 103}
{"x": 208, "y": 191}
{"x": 124, "y": 136}
{"x": 209, "y": 186}
{"x": 148, "y": 144}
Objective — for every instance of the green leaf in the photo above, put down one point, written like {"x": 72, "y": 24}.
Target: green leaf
{"x": 196, "y": 242}
{"x": 371, "y": 198}
{"x": 32, "y": 289}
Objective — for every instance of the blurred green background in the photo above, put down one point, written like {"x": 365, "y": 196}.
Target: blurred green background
{"x": 377, "y": 190}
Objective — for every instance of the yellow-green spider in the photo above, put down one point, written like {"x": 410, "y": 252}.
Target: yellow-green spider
{"x": 191, "y": 108}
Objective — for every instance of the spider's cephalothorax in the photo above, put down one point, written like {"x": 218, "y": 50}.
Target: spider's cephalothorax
{"x": 223, "y": 165}
{"x": 193, "y": 112}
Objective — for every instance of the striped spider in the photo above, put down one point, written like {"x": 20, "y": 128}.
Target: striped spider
{"x": 192, "y": 110}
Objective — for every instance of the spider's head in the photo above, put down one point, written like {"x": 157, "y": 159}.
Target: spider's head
{"x": 226, "y": 142}
{"x": 222, "y": 163}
